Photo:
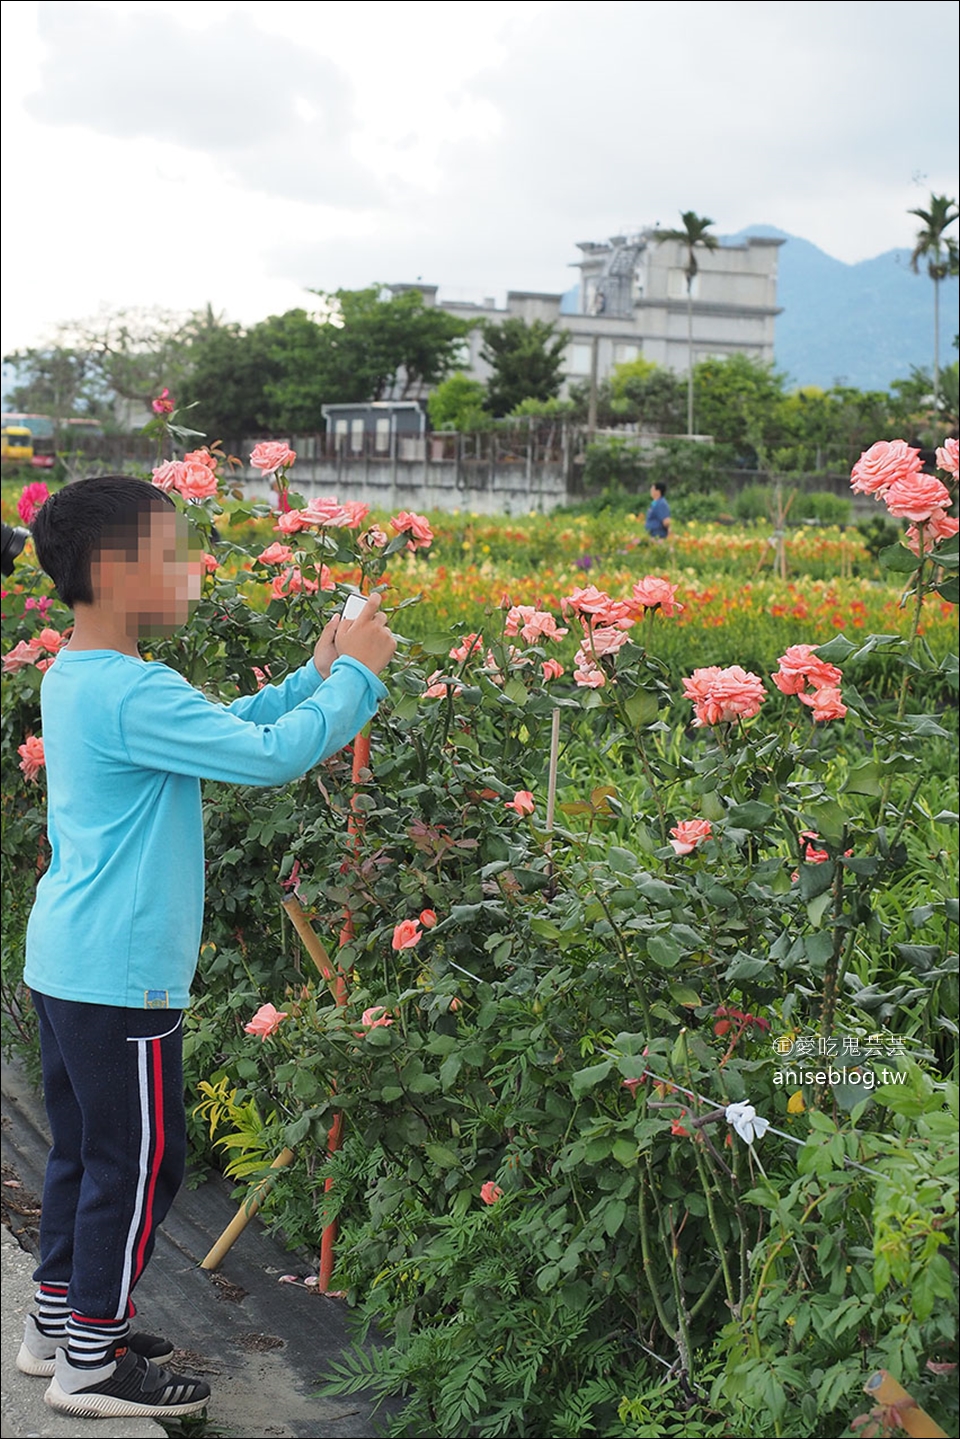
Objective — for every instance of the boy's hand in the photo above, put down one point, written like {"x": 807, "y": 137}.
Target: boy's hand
{"x": 367, "y": 638}
{"x": 325, "y": 650}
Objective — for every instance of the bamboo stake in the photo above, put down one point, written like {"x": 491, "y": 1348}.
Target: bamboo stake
{"x": 900, "y": 1409}
{"x": 245, "y": 1213}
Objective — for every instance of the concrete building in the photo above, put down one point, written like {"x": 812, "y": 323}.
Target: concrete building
{"x": 632, "y": 300}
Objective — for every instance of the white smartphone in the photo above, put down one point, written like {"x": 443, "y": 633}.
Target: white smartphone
{"x": 352, "y": 606}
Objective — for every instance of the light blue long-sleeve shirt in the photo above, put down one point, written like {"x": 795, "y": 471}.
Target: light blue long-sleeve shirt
{"x": 118, "y": 914}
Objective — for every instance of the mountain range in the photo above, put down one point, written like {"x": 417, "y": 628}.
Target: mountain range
{"x": 865, "y": 324}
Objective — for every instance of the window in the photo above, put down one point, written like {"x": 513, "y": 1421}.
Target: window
{"x": 625, "y": 354}
{"x": 382, "y": 438}
{"x": 578, "y": 359}
{"x": 356, "y": 436}
{"x": 340, "y": 431}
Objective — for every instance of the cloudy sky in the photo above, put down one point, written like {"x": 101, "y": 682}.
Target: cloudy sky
{"x": 178, "y": 153}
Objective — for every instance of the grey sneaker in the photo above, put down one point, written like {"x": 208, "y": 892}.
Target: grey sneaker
{"x": 38, "y": 1352}
{"x": 128, "y": 1387}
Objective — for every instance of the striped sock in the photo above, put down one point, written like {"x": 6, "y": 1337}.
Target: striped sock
{"x": 53, "y": 1311}
{"x": 91, "y": 1342}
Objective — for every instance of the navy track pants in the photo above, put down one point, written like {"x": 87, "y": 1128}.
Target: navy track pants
{"x": 113, "y": 1088}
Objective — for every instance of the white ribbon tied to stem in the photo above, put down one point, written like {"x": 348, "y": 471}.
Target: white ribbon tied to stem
{"x": 746, "y": 1121}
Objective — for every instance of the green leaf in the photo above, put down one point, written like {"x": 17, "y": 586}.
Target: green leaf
{"x": 588, "y": 1078}
{"x": 624, "y": 1151}
{"x": 835, "y": 651}
{"x": 752, "y": 815}
{"x": 683, "y": 994}
{"x": 816, "y": 879}
{"x": 643, "y": 707}
{"x": 829, "y": 820}
{"x": 898, "y": 559}
{"x": 864, "y": 778}
{"x": 442, "y": 1156}
{"x": 950, "y": 590}
{"x": 613, "y": 1216}
{"x": 663, "y": 950}
{"x": 747, "y": 966}
{"x": 817, "y": 908}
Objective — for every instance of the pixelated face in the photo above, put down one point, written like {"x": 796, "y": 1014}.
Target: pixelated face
{"x": 154, "y": 576}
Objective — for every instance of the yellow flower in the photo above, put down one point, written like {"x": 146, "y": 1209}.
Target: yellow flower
{"x": 795, "y": 1104}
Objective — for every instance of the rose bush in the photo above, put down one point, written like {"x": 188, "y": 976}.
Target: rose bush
{"x": 556, "y": 1191}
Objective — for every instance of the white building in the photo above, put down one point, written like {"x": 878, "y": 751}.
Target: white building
{"x": 633, "y": 301}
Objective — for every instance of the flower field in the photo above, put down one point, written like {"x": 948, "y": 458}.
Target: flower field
{"x": 606, "y": 988}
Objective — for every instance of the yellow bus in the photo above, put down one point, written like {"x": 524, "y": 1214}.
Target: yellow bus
{"x": 16, "y": 445}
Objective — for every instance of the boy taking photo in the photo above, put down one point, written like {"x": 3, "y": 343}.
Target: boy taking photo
{"x": 114, "y": 934}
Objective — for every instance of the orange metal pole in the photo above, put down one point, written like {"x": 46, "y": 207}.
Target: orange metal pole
{"x": 361, "y": 761}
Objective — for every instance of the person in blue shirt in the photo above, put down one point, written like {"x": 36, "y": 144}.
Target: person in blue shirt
{"x": 114, "y": 933}
{"x": 657, "y": 521}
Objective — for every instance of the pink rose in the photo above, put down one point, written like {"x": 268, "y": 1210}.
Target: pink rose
{"x": 436, "y": 689}
{"x": 826, "y": 703}
{"x": 32, "y": 497}
{"x": 605, "y": 640}
{"x": 266, "y": 1021}
{"x": 276, "y": 554}
{"x": 42, "y": 604}
{"x": 416, "y": 527}
{"x": 372, "y": 539}
{"x": 689, "y": 833}
{"x": 50, "y": 640}
{"x": 800, "y": 666}
{"x": 523, "y": 802}
{"x": 292, "y": 582}
{"x": 947, "y": 456}
{"x": 197, "y": 481}
{"x": 326, "y": 512}
{"x": 532, "y": 624}
{"x": 599, "y": 605}
{"x": 31, "y": 755}
{"x": 201, "y": 457}
{"x": 652, "y": 591}
{"x": 375, "y": 1018}
{"x": 291, "y": 522}
{"x": 589, "y": 676}
{"x": 356, "y": 512}
{"x": 428, "y": 918}
{"x": 882, "y": 465}
{"x": 210, "y": 562}
{"x": 552, "y": 670}
{"x": 406, "y": 934}
{"x": 269, "y": 456}
{"x": 163, "y": 404}
{"x": 490, "y": 1192}
{"x": 168, "y": 475}
{"x": 915, "y": 497}
{"x": 469, "y": 645}
{"x": 811, "y": 855}
{"x": 723, "y": 695}
{"x": 26, "y": 652}
{"x": 938, "y": 527}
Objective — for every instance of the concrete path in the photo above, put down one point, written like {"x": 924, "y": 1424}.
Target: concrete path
{"x": 262, "y": 1346}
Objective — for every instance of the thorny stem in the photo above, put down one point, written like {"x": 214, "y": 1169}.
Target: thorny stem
{"x": 652, "y": 1282}
{"x": 628, "y": 962}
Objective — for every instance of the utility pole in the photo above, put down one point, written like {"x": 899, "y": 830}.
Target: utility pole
{"x": 592, "y": 404}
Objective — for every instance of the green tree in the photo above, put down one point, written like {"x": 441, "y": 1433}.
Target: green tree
{"x": 526, "y": 360}
{"x": 230, "y": 372}
{"x": 377, "y": 343}
{"x": 941, "y": 254}
{"x": 457, "y": 403}
{"x": 741, "y": 402}
{"x": 694, "y": 232}
{"x": 59, "y": 382}
{"x": 648, "y": 394}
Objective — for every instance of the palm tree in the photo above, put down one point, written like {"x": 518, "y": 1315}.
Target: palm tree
{"x": 694, "y": 233}
{"x": 940, "y": 252}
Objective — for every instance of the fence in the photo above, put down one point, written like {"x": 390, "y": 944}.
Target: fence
{"x": 533, "y": 465}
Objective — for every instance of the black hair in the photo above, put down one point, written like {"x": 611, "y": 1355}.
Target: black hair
{"x": 659, "y": 485}
{"x": 74, "y": 524}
